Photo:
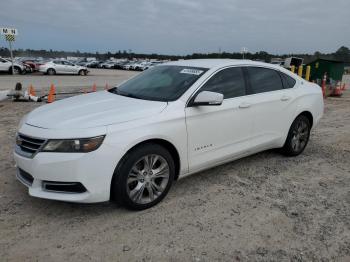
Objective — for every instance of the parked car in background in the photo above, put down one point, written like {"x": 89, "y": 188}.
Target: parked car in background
{"x": 131, "y": 142}
{"x": 106, "y": 64}
{"x": 62, "y": 67}
{"x": 31, "y": 65}
{"x": 138, "y": 66}
{"x": 92, "y": 64}
{"x": 6, "y": 66}
{"x": 148, "y": 65}
{"x": 110, "y": 65}
{"x": 120, "y": 64}
{"x": 129, "y": 65}
{"x": 79, "y": 63}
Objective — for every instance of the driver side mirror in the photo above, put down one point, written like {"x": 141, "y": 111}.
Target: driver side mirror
{"x": 207, "y": 98}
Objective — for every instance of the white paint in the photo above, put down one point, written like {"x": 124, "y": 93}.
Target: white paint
{"x": 204, "y": 136}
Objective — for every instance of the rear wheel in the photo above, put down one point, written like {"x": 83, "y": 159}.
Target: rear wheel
{"x": 298, "y": 136}
{"x": 144, "y": 177}
{"x": 51, "y": 71}
{"x": 82, "y": 72}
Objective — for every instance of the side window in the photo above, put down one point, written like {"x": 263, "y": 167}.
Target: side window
{"x": 264, "y": 80}
{"x": 57, "y": 62}
{"x": 288, "y": 82}
{"x": 229, "y": 82}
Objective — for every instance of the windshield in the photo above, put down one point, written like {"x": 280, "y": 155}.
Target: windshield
{"x": 160, "y": 83}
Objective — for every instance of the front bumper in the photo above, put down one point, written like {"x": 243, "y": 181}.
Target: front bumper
{"x": 93, "y": 170}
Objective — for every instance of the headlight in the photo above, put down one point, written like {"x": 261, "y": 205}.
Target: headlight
{"x": 83, "y": 145}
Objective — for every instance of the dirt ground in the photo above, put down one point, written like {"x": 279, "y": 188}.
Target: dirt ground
{"x": 265, "y": 207}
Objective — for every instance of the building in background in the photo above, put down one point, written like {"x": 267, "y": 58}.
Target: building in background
{"x": 333, "y": 68}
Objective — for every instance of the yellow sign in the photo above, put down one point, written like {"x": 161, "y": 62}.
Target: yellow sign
{"x": 10, "y": 38}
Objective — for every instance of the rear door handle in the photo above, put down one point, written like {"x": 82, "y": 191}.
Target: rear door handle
{"x": 285, "y": 98}
{"x": 244, "y": 105}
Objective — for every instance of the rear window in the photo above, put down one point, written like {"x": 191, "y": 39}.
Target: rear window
{"x": 288, "y": 82}
{"x": 264, "y": 80}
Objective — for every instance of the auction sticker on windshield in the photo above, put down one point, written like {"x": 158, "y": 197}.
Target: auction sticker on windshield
{"x": 191, "y": 71}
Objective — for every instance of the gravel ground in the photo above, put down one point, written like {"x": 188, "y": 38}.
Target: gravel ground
{"x": 265, "y": 207}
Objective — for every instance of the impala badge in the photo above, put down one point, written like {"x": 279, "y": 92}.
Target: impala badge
{"x": 203, "y": 147}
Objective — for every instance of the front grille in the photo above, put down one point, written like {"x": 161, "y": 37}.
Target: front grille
{"x": 63, "y": 187}
{"x": 28, "y": 146}
{"x": 25, "y": 177}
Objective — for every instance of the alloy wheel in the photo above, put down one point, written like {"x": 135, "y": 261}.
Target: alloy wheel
{"x": 300, "y": 136}
{"x": 16, "y": 71}
{"x": 147, "y": 179}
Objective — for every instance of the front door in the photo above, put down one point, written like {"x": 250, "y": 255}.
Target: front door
{"x": 69, "y": 68}
{"x": 59, "y": 67}
{"x": 222, "y": 132}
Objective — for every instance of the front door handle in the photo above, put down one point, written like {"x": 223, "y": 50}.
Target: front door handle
{"x": 285, "y": 98}
{"x": 244, "y": 105}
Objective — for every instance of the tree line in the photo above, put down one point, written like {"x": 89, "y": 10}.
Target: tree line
{"x": 342, "y": 54}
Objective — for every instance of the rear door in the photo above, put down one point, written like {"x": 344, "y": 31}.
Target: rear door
{"x": 219, "y": 133}
{"x": 272, "y": 104}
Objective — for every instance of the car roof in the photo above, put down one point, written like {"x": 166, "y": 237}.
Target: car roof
{"x": 217, "y": 63}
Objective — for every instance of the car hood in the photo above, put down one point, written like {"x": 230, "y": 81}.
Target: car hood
{"x": 92, "y": 110}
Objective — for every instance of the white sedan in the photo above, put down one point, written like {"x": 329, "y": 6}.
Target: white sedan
{"x": 129, "y": 143}
{"x": 62, "y": 67}
{"x": 6, "y": 66}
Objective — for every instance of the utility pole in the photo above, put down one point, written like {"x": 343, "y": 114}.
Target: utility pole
{"x": 11, "y": 54}
{"x": 244, "y": 50}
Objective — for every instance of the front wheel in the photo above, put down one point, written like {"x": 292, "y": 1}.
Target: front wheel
{"x": 298, "y": 136}
{"x": 16, "y": 70}
{"x": 144, "y": 177}
{"x": 82, "y": 72}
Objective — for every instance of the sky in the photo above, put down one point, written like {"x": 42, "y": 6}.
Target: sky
{"x": 179, "y": 27}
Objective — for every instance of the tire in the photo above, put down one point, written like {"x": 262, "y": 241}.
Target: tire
{"x": 16, "y": 69}
{"x": 136, "y": 187}
{"x": 298, "y": 136}
{"x": 51, "y": 71}
{"x": 82, "y": 73}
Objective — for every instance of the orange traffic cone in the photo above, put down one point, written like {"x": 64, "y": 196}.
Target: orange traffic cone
{"x": 52, "y": 94}
{"x": 32, "y": 91}
{"x": 337, "y": 91}
{"x": 94, "y": 88}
